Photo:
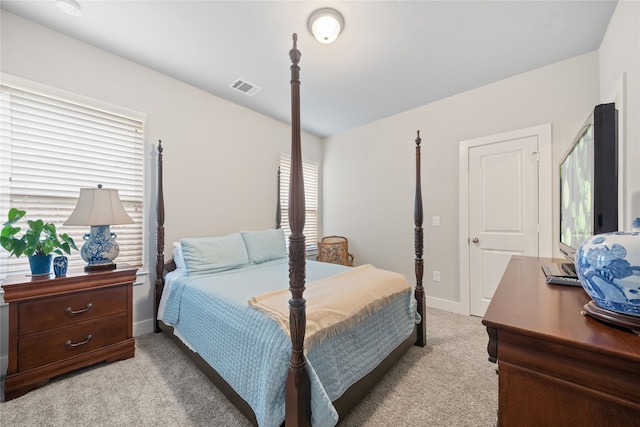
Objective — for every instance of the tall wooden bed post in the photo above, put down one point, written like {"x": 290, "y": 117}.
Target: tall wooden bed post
{"x": 297, "y": 387}
{"x": 418, "y": 242}
{"x": 159, "y": 284}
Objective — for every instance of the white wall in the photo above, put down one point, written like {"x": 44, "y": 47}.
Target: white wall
{"x": 619, "y": 56}
{"x": 220, "y": 159}
{"x": 369, "y": 171}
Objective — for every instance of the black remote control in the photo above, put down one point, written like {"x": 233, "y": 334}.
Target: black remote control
{"x": 558, "y": 280}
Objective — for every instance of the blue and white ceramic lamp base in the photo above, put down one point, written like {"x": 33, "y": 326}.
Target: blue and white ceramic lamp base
{"x": 100, "y": 248}
{"x": 608, "y": 266}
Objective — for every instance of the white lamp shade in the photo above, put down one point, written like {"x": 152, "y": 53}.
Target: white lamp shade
{"x": 99, "y": 206}
{"x": 326, "y": 24}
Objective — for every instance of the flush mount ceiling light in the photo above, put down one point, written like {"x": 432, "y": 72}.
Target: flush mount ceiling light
{"x": 70, "y": 7}
{"x": 325, "y": 24}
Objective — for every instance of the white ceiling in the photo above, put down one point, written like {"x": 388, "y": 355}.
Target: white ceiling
{"x": 391, "y": 57}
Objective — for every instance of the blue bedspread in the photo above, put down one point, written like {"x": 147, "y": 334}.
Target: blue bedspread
{"x": 251, "y": 351}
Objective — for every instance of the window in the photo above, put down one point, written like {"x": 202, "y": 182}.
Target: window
{"x": 310, "y": 176}
{"x": 50, "y": 148}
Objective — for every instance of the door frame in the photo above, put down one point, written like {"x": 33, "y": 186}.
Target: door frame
{"x": 545, "y": 199}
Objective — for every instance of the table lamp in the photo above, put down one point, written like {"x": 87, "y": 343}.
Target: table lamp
{"x": 99, "y": 208}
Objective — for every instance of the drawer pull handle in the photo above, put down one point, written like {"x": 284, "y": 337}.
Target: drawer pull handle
{"x": 82, "y": 310}
{"x": 76, "y": 344}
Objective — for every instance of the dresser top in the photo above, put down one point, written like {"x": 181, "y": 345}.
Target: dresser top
{"x": 23, "y": 286}
{"x": 525, "y": 304}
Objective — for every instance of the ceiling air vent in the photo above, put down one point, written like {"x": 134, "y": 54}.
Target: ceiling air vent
{"x": 245, "y": 87}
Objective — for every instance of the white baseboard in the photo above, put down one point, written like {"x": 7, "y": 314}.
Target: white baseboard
{"x": 447, "y": 305}
{"x": 142, "y": 327}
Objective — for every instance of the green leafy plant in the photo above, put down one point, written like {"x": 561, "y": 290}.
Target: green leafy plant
{"x": 39, "y": 239}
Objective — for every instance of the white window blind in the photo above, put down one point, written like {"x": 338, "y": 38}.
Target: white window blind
{"x": 49, "y": 149}
{"x": 310, "y": 176}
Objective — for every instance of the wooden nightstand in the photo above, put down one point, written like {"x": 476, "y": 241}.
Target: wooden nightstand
{"x": 58, "y": 324}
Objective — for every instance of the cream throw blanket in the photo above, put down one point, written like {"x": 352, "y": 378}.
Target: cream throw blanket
{"x": 337, "y": 302}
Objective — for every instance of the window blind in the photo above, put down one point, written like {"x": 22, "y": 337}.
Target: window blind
{"x": 310, "y": 177}
{"x": 49, "y": 149}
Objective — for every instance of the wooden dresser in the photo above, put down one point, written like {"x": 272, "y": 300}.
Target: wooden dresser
{"x": 558, "y": 367}
{"x": 58, "y": 324}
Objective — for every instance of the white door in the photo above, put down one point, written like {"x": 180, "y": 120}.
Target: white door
{"x": 503, "y": 212}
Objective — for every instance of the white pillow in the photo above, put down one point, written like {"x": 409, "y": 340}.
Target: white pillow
{"x": 178, "y": 257}
{"x": 204, "y": 255}
{"x": 265, "y": 245}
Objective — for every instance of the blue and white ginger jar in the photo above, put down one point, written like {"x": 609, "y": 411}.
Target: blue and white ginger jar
{"x": 608, "y": 266}
{"x": 100, "y": 246}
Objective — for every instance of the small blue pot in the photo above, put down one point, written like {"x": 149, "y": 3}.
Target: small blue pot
{"x": 40, "y": 264}
{"x": 60, "y": 264}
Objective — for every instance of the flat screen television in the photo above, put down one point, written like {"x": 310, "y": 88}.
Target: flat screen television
{"x": 589, "y": 181}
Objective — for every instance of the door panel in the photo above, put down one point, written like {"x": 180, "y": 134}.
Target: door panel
{"x": 503, "y": 212}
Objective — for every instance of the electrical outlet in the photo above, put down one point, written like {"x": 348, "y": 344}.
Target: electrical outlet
{"x": 436, "y": 276}
{"x": 435, "y": 221}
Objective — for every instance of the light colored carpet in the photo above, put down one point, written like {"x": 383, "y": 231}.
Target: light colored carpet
{"x": 448, "y": 383}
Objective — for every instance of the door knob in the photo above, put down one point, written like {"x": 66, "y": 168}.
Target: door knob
{"x": 475, "y": 240}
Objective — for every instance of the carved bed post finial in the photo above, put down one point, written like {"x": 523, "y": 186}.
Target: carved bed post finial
{"x": 298, "y": 386}
{"x": 418, "y": 241}
{"x": 159, "y": 283}
{"x": 294, "y": 55}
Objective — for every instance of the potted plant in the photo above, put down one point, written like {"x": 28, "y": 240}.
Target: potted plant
{"x": 38, "y": 242}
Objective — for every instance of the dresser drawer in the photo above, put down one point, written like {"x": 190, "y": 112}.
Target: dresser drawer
{"x": 41, "y": 349}
{"x": 50, "y": 313}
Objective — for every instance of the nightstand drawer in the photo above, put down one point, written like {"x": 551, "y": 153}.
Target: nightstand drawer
{"x": 41, "y": 349}
{"x": 50, "y": 313}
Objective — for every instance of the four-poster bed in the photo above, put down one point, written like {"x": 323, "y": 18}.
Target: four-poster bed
{"x": 305, "y": 386}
